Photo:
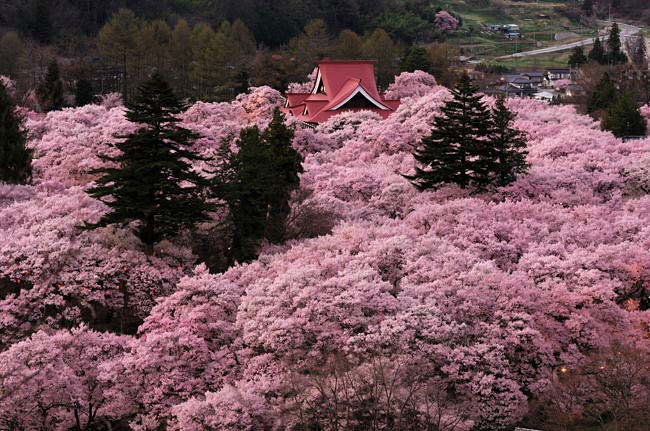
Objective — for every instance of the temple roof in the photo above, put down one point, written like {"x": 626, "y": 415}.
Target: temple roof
{"x": 341, "y": 85}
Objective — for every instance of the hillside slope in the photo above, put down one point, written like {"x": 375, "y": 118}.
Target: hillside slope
{"x": 387, "y": 305}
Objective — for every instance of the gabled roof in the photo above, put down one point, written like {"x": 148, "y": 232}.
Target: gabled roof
{"x": 338, "y": 86}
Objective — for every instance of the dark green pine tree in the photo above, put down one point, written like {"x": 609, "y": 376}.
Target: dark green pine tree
{"x": 588, "y": 7}
{"x": 578, "y": 57}
{"x": 604, "y": 94}
{"x": 624, "y": 118}
{"x": 508, "y": 145}
{"x": 457, "y": 151}
{"x": 153, "y": 185}
{"x": 256, "y": 183}
{"x": 50, "y": 91}
{"x": 615, "y": 54}
{"x": 244, "y": 183}
{"x": 15, "y": 157}
{"x": 597, "y": 53}
{"x": 84, "y": 94}
{"x": 416, "y": 58}
{"x": 287, "y": 165}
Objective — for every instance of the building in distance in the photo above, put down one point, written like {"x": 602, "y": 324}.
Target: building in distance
{"x": 340, "y": 86}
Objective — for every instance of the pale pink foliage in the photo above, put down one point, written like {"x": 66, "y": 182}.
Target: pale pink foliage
{"x": 8, "y": 84}
{"x": 445, "y": 21}
{"x": 303, "y": 87}
{"x": 66, "y": 143}
{"x": 230, "y": 409}
{"x": 111, "y": 100}
{"x": 411, "y": 84}
{"x": 51, "y": 381}
{"x": 482, "y": 296}
{"x": 46, "y": 249}
{"x": 186, "y": 348}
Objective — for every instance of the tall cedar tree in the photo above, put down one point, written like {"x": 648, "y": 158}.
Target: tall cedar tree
{"x": 83, "y": 94}
{"x": 623, "y": 117}
{"x": 457, "y": 150}
{"x": 153, "y": 183}
{"x": 615, "y": 54}
{"x": 50, "y": 91}
{"x": 578, "y": 57}
{"x": 287, "y": 165}
{"x": 508, "y": 145}
{"x": 604, "y": 94}
{"x": 247, "y": 193}
{"x": 597, "y": 53}
{"x": 416, "y": 58}
{"x": 256, "y": 183}
{"x": 15, "y": 157}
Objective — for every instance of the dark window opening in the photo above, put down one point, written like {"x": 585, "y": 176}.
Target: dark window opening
{"x": 359, "y": 101}
{"x": 321, "y": 88}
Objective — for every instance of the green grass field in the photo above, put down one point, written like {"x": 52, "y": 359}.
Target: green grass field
{"x": 559, "y": 59}
{"x": 539, "y": 22}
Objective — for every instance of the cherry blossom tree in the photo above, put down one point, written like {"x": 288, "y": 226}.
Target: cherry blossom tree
{"x": 51, "y": 380}
{"x": 445, "y": 21}
{"x": 411, "y": 84}
{"x": 470, "y": 305}
{"x": 187, "y": 346}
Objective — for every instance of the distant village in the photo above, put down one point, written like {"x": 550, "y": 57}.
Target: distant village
{"x": 548, "y": 85}
{"x": 509, "y": 31}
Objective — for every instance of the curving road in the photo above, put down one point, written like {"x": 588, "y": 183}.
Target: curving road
{"x": 627, "y": 30}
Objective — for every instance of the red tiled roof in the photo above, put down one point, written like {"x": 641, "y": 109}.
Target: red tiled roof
{"x": 341, "y": 79}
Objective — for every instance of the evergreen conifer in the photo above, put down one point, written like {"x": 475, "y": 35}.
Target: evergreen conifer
{"x": 256, "y": 183}
{"x": 597, "y": 53}
{"x": 153, "y": 183}
{"x": 603, "y": 96}
{"x": 615, "y": 54}
{"x": 457, "y": 151}
{"x": 50, "y": 91}
{"x": 15, "y": 157}
{"x": 247, "y": 193}
{"x": 416, "y": 58}
{"x": 287, "y": 165}
{"x": 578, "y": 57}
{"x": 84, "y": 94}
{"x": 508, "y": 145}
{"x": 624, "y": 118}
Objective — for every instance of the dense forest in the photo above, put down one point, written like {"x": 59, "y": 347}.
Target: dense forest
{"x": 216, "y": 49}
{"x": 272, "y": 22}
{"x": 213, "y": 50}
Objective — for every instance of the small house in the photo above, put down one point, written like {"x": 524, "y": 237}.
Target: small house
{"x": 537, "y": 78}
{"x": 521, "y": 81}
{"x": 556, "y": 74}
{"x": 545, "y": 96}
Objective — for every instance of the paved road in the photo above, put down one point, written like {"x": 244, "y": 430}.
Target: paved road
{"x": 626, "y": 31}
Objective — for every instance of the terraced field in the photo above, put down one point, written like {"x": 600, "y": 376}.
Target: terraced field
{"x": 539, "y": 21}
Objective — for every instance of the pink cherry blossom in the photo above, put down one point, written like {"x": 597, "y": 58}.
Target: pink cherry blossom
{"x": 471, "y": 304}
{"x": 446, "y": 21}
